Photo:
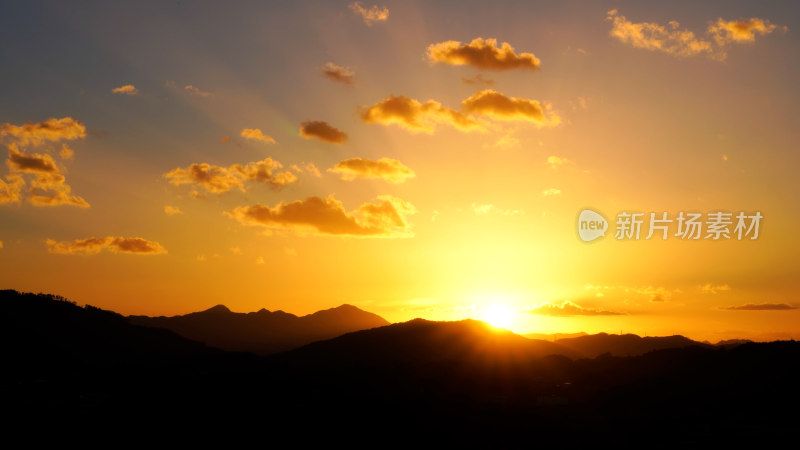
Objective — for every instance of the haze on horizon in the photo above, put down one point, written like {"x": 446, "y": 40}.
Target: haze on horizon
{"x": 414, "y": 159}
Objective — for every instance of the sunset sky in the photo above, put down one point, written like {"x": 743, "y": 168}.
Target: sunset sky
{"x": 415, "y": 159}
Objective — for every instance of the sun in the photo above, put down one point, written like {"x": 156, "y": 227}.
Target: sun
{"x": 498, "y": 315}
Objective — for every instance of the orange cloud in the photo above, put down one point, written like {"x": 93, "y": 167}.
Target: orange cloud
{"x": 218, "y": 180}
{"x": 762, "y": 307}
{"x": 372, "y": 15}
{"x": 322, "y": 131}
{"x": 674, "y": 40}
{"x": 256, "y": 135}
{"x": 93, "y": 245}
{"x": 387, "y": 169}
{"x": 127, "y": 89}
{"x": 339, "y": 74}
{"x": 568, "y": 308}
{"x": 52, "y": 130}
{"x": 66, "y": 152}
{"x": 497, "y": 106}
{"x": 385, "y": 218}
{"x": 21, "y": 162}
{"x": 10, "y": 189}
{"x": 48, "y": 186}
{"x": 415, "y": 116}
{"x": 483, "y": 54}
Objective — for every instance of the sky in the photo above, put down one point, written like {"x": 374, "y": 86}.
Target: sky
{"x": 415, "y": 159}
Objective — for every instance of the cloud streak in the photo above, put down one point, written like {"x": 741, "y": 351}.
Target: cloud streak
{"x": 114, "y": 244}
{"x": 762, "y": 307}
{"x": 387, "y": 169}
{"x": 568, "y": 308}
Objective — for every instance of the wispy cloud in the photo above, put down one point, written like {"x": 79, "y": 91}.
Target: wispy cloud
{"x": 371, "y": 15}
{"x": 673, "y": 39}
{"x": 339, "y": 74}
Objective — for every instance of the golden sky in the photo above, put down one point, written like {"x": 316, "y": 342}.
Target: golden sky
{"x": 415, "y": 159}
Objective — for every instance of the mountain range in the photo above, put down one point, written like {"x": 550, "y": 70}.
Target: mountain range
{"x": 263, "y": 332}
{"x": 461, "y": 383}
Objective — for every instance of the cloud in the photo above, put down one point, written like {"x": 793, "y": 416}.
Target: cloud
{"x": 172, "y": 210}
{"x": 500, "y": 107}
{"x": 66, "y": 152}
{"x": 568, "y": 308}
{"x": 322, "y": 131}
{"x": 10, "y": 189}
{"x": 35, "y": 163}
{"x": 491, "y": 209}
{"x": 93, "y": 245}
{"x": 256, "y": 135}
{"x": 47, "y": 186}
{"x": 551, "y": 191}
{"x": 762, "y": 307}
{"x": 196, "y": 91}
{"x": 387, "y": 169}
{"x": 709, "y": 288}
{"x": 52, "y": 130}
{"x": 372, "y": 15}
{"x": 415, "y": 116}
{"x": 556, "y": 162}
{"x": 384, "y": 218}
{"x": 477, "y": 80}
{"x": 218, "y": 180}
{"x": 127, "y": 89}
{"x": 483, "y": 54}
{"x": 339, "y": 74}
{"x": 745, "y": 30}
{"x": 678, "y": 41}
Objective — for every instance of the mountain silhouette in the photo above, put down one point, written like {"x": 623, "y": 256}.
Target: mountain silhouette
{"x": 462, "y": 383}
{"x": 263, "y": 332}
{"x": 421, "y": 341}
{"x": 590, "y": 346}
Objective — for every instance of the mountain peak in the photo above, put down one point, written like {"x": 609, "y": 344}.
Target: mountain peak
{"x": 218, "y": 309}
